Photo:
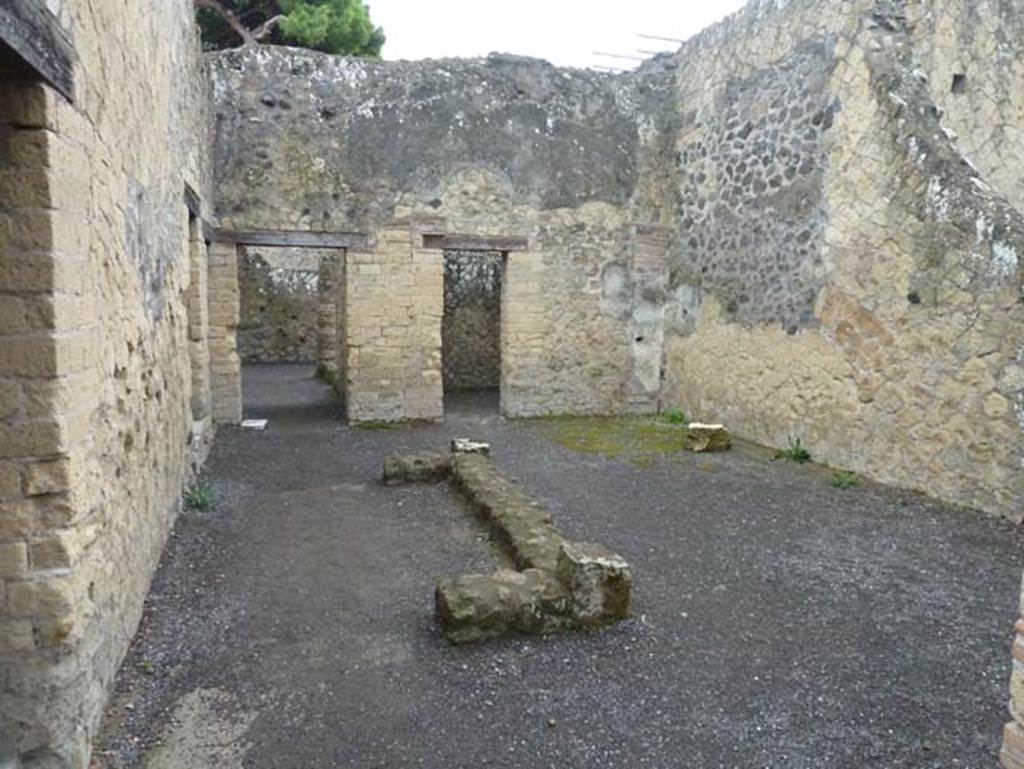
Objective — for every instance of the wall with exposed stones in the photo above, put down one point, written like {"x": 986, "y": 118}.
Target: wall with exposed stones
{"x": 501, "y": 146}
{"x": 806, "y": 223}
{"x": 845, "y": 254}
{"x": 99, "y": 334}
{"x": 471, "y": 326}
{"x": 279, "y": 304}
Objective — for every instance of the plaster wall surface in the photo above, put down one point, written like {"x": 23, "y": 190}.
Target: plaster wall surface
{"x": 96, "y": 365}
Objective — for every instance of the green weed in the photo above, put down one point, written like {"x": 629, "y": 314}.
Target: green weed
{"x": 198, "y": 496}
{"x": 325, "y": 375}
{"x": 843, "y": 479}
{"x": 673, "y": 417}
{"x": 796, "y": 452}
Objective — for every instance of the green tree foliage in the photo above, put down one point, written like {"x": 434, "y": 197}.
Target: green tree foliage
{"x": 333, "y": 26}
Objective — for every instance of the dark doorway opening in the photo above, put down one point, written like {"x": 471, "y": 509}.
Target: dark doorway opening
{"x": 471, "y": 330}
{"x": 287, "y": 332}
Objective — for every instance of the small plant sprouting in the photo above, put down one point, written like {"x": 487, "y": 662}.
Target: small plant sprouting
{"x": 325, "y": 375}
{"x": 796, "y": 452}
{"x": 199, "y": 497}
{"x": 844, "y": 479}
{"x": 147, "y": 667}
{"x": 674, "y": 417}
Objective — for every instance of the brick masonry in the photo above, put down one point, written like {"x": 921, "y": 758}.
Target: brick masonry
{"x": 103, "y": 401}
{"x": 393, "y": 305}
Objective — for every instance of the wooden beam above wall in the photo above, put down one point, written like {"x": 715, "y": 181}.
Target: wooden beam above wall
{"x": 33, "y": 45}
{"x": 475, "y": 243}
{"x": 293, "y": 238}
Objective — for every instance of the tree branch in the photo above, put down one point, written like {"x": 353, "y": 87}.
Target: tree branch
{"x": 229, "y": 18}
{"x": 267, "y": 27}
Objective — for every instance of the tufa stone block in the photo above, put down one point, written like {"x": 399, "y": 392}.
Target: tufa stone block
{"x": 9, "y": 394}
{"x": 474, "y": 607}
{"x": 468, "y": 446}
{"x": 10, "y": 482}
{"x": 47, "y": 477}
{"x": 1012, "y": 754}
{"x": 599, "y": 583}
{"x": 13, "y": 559}
{"x": 707, "y": 437}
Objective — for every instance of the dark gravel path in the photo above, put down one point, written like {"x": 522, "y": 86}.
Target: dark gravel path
{"x": 779, "y": 622}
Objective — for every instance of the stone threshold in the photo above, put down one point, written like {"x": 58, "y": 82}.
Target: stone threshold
{"x": 557, "y": 584}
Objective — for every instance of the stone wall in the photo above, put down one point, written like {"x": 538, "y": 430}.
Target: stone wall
{"x": 279, "y": 304}
{"x": 327, "y": 315}
{"x": 845, "y": 263}
{"x": 501, "y": 146}
{"x": 225, "y": 362}
{"x": 805, "y": 223}
{"x": 96, "y": 376}
{"x": 471, "y": 326}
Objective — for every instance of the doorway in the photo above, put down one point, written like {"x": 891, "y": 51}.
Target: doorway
{"x": 471, "y": 330}
{"x": 286, "y": 331}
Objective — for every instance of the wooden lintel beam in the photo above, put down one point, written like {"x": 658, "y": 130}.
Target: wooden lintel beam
{"x": 477, "y": 243}
{"x": 32, "y": 36}
{"x": 293, "y": 238}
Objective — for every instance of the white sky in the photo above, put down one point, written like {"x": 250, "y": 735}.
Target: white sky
{"x": 565, "y": 32}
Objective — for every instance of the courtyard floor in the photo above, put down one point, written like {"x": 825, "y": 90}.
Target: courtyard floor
{"x": 779, "y": 621}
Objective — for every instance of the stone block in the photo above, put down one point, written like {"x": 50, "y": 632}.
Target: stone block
{"x": 51, "y": 597}
{"x": 13, "y": 559}
{"x": 59, "y": 551}
{"x": 34, "y": 438}
{"x": 599, "y": 583}
{"x": 469, "y": 446}
{"x": 475, "y": 607}
{"x": 16, "y": 636}
{"x": 47, "y": 477}
{"x": 427, "y": 467}
{"x": 10, "y": 394}
{"x": 1012, "y": 754}
{"x": 707, "y": 437}
{"x": 10, "y": 482}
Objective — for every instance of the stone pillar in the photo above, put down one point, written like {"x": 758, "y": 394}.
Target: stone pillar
{"x": 341, "y": 333}
{"x": 225, "y": 365}
{"x": 327, "y": 315}
{"x": 1012, "y": 754}
{"x": 394, "y": 300}
{"x": 198, "y": 322}
{"x": 523, "y": 336}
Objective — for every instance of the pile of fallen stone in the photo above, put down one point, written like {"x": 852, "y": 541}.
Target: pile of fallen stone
{"x": 557, "y": 584}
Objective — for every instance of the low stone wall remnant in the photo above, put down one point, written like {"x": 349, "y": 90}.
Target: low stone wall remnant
{"x": 557, "y": 584}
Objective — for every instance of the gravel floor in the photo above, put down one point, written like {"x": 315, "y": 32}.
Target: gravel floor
{"x": 780, "y": 622}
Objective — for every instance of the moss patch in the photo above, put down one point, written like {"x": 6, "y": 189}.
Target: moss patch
{"x": 379, "y": 425}
{"x": 640, "y": 440}
{"x": 325, "y": 375}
